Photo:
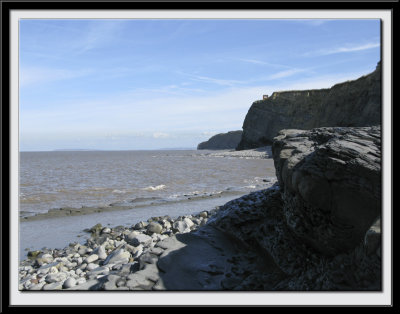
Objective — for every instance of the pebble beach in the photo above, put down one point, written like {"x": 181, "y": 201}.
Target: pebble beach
{"x": 111, "y": 254}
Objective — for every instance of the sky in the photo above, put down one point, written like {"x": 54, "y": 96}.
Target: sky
{"x": 128, "y": 84}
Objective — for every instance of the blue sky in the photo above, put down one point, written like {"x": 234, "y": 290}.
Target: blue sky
{"x": 146, "y": 84}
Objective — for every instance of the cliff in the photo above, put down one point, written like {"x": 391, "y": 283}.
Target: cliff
{"x": 222, "y": 141}
{"x": 352, "y": 103}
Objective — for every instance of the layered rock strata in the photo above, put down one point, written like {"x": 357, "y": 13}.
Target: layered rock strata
{"x": 353, "y": 104}
{"x": 331, "y": 184}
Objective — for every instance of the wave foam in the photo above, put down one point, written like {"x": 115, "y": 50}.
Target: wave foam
{"x": 155, "y": 188}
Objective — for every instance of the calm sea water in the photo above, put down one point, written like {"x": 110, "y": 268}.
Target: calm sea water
{"x": 99, "y": 178}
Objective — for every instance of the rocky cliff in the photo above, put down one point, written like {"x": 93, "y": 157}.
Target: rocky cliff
{"x": 228, "y": 140}
{"x": 352, "y": 103}
{"x": 321, "y": 223}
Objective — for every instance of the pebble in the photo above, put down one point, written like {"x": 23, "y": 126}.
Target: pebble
{"x": 108, "y": 259}
{"x": 91, "y": 258}
{"x": 154, "y": 227}
{"x": 69, "y": 283}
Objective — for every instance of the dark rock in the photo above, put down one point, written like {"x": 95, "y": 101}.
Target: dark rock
{"x": 331, "y": 184}
{"x": 352, "y": 103}
{"x": 222, "y": 141}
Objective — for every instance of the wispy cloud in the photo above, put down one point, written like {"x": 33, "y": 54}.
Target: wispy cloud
{"x": 160, "y": 135}
{"x": 98, "y": 34}
{"x": 311, "y": 22}
{"x": 211, "y": 80}
{"x": 344, "y": 49}
{"x": 261, "y": 62}
{"x": 286, "y": 73}
{"x": 40, "y": 75}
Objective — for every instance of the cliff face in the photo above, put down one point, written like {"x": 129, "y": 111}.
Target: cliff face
{"x": 353, "y": 103}
{"x": 321, "y": 223}
{"x": 222, "y": 141}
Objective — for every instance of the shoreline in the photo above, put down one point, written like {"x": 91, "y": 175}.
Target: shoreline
{"x": 33, "y": 233}
{"x": 136, "y": 203}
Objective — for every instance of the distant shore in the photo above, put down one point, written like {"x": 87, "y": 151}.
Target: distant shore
{"x": 256, "y": 153}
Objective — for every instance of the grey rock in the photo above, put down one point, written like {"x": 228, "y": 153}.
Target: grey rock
{"x": 180, "y": 226}
{"x": 50, "y": 278}
{"x": 353, "y": 103}
{"x": 91, "y": 266}
{"x": 53, "y": 286}
{"x": 118, "y": 256}
{"x": 147, "y": 258}
{"x": 203, "y": 214}
{"x": 69, "y": 283}
{"x": 140, "y": 225}
{"x": 135, "y": 251}
{"x": 101, "y": 252}
{"x": 100, "y": 270}
{"x": 372, "y": 239}
{"x": 331, "y": 184}
{"x": 222, "y": 141}
{"x": 91, "y": 258}
{"x": 154, "y": 227}
{"x": 137, "y": 239}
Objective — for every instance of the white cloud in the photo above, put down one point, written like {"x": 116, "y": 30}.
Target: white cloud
{"x": 211, "y": 80}
{"x": 260, "y": 62}
{"x": 344, "y": 49}
{"x": 286, "y": 73}
{"x": 160, "y": 135}
{"x": 35, "y": 75}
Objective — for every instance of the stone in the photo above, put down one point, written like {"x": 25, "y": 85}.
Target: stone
{"x": 180, "y": 226}
{"x": 372, "y": 239}
{"x": 203, "y": 214}
{"x": 140, "y": 225}
{"x": 53, "y": 286}
{"x": 118, "y": 256}
{"x": 69, "y": 283}
{"x": 102, "y": 270}
{"x": 147, "y": 258}
{"x": 135, "y": 251}
{"x": 166, "y": 224}
{"x": 101, "y": 253}
{"x": 91, "y": 258}
{"x": 188, "y": 222}
{"x": 105, "y": 230}
{"x": 154, "y": 227}
{"x": 91, "y": 266}
{"x": 50, "y": 278}
{"x": 136, "y": 239}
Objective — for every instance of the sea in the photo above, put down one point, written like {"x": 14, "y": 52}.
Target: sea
{"x": 150, "y": 183}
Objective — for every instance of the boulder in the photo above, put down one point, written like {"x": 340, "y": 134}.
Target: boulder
{"x": 331, "y": 184}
